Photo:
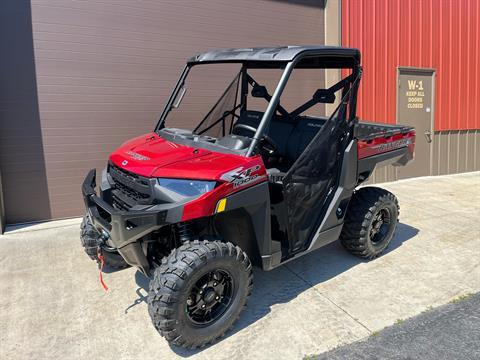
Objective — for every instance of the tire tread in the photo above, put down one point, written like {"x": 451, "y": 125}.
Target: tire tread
{"x": 169, "y": 280}
{"x": 363, "y": 205}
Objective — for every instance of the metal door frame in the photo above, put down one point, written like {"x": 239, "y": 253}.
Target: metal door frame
{"x": 426, "y": 71}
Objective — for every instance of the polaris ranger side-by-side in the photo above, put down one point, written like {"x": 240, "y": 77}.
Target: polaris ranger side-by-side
{"x": 194, "y": 209}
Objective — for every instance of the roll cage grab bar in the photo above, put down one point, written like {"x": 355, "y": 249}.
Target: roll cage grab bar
{"x": 349, "y": 85}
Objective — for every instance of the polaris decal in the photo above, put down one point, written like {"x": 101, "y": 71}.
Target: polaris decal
{"x": 240, "y": 176}
{"x": 393, "y": 145}
{"x": 137, "y": 156}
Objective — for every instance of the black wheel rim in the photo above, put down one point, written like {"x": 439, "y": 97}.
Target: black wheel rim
{"x": 210, "y": 297}
{"x": 380, "y": 226}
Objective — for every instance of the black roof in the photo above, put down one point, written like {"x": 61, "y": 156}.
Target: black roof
{"x": 274, "y": 54}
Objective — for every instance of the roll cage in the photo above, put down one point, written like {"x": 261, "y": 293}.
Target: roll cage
{"x": 286, "y": 59}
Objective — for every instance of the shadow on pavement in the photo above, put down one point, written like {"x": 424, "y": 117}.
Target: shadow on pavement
{"x": 286, "y": 282}
{"x": 446, "y": 332}
{"x": 110, "y": 270}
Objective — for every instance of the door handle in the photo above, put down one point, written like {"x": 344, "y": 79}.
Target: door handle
{"x": 428, "y": 136}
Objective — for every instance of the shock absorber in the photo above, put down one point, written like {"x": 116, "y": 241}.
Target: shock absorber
{"x": 185, "y": 231}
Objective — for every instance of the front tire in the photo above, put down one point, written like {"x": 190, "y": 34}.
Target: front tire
{"x": 199, "y": 291}
{"x": 370, "y": 222}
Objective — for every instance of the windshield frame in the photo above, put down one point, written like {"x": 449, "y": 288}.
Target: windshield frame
{"x": 287, "y": 68}
{"x": 173, "y": 95}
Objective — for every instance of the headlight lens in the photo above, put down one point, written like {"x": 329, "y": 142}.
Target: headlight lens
{"x": 187, "y": 187}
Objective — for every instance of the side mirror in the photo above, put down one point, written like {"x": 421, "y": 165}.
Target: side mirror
{"x": 179, "y": 98}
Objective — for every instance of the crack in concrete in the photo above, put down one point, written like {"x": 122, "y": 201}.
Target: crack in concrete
{"x": 312, "y": 286}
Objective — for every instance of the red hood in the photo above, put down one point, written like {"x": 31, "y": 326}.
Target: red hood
{"x": 152, "y": 156}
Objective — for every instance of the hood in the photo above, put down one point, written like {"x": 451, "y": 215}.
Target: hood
{"x": 152, "y": 156}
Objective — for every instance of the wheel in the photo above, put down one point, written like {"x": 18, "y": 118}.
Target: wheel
{"x": 199, "y": 291}
{"x": 370, "y": 222}
{"x": 89, "y": 237}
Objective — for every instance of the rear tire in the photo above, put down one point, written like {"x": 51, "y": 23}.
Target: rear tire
{"x": 90, "y": 239}
{"x": 370, "y": 222}
{"x": 199, "y": 291}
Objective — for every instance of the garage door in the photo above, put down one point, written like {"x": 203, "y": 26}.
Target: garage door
{"x": 100, "y": 75}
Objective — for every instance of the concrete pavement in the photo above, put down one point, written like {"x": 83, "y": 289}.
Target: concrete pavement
{"x": 450, "y": 331}
{"x": 52, "y": 305}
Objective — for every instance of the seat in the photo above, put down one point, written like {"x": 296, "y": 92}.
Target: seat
{"x": 278, "y": 130}
{"x": 305, "y": 130}
{"x": 291, "y": 137}
{"x": 250, "y": 118}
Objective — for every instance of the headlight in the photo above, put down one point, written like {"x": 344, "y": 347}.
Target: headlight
{"x": 187, "y": 187}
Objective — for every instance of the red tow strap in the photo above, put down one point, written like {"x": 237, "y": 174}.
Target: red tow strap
{"x": 102, "y": 262}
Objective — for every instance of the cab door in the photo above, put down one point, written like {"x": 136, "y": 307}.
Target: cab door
{"x": 310, "y": 184}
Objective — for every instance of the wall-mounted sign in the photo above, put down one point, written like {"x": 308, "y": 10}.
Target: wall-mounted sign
{"x": 415, "y": 94}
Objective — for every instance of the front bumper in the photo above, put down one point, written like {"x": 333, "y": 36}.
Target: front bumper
{"x": 124, "y": 228}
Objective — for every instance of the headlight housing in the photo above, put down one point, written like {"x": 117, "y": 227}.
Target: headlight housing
{"x": 186, "y": 187}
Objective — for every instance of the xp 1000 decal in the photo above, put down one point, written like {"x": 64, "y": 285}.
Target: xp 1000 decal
{"x": 240, "y": 176}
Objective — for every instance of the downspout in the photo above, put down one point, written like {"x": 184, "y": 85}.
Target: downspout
{"x": 2, "y": 208}
{"x": 333, "y": 37}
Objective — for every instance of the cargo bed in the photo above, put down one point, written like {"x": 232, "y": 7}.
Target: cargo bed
{"x": 382, "y": 144}
{"x": 367, "y": 130}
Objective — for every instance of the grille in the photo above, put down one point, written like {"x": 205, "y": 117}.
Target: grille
{"x": 129, "y": 189}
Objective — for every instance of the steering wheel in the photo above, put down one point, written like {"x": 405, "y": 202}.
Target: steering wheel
{"x": 265, "y": 138}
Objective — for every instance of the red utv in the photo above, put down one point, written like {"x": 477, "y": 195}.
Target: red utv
{"x": 194, "y": 209}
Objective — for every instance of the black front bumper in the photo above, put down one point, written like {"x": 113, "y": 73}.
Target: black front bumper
{"x": 124, "y": 228}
